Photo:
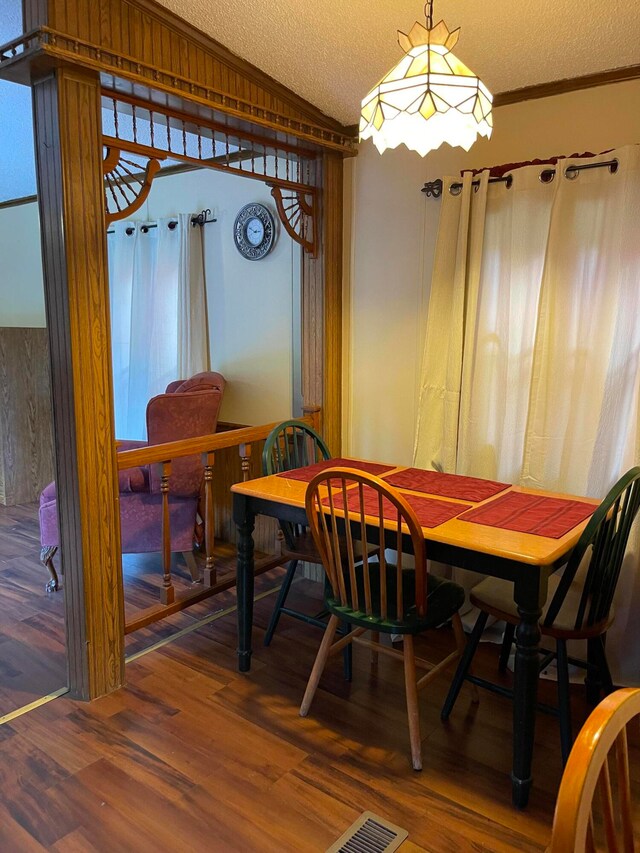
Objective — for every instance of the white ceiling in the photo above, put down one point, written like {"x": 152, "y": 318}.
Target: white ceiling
{"x": 333, "y": 51}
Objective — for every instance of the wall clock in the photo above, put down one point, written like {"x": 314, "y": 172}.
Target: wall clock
{"x": 254, "y": 232}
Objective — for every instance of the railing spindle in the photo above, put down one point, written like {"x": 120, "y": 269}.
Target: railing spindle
{"x": 210, "y": 575}
{"x": 245, "y": 456}
{"x": 161, "y": 456}
{"x": 167, "y": 593}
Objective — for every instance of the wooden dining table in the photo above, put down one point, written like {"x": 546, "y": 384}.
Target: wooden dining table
{"x": 525, "y": 556}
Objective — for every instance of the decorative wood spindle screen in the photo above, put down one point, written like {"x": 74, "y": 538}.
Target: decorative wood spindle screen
{"x": 137, "y": 135}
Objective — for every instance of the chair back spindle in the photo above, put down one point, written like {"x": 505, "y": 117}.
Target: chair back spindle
{"x": 345, "y": 506}
{"x": 603, "y": 542}
{"x": 292, "y": 444}
{"x": 595, "y": 805}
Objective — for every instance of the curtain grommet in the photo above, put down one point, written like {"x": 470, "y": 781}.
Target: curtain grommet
{"x": 546, "y": 176}
{"x": 571, "y": 173}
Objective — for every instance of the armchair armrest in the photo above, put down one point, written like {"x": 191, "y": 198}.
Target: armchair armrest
{"x": 132, "y": 479}
{"x": 129, "y": 444}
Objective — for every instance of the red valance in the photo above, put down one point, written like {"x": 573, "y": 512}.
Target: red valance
{"x": 505, "y": 168}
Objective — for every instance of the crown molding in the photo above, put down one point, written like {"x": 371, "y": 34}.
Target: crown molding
{"x": 569, "y": 84}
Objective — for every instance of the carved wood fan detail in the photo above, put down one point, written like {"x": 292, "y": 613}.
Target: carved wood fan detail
{"x": 126, "y": 184}
{"x": 297, "y": 212}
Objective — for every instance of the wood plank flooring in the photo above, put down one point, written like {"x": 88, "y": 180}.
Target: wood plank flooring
{"x": 191, "y": 755}
{"x": 32, "y": 637}
{"x": 32, "y": 644}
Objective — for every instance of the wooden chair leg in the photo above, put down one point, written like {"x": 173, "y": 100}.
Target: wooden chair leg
{"x": 192, "y": 565}
{"x": 282, "y": 597}
{"x": 461, "y": 645}
{"x": 564, "y": 700}
{"x": 411, "y": 690}
{"x": 46, "y": 558}
{"x": 347, "y": 655}
{"x": 507, "y": 643}
{"x": 319, "y": 665}
{"x": 599, "y": 656}
{"x": 464, "y": 665}
{"x": 375, "y": 636}
{"x": 593, "y": 681}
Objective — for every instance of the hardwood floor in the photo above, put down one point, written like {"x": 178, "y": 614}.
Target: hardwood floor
{"x": 191, "y": 755}
{"x": 32, "y": 637}
{"x": 32, "y": 646}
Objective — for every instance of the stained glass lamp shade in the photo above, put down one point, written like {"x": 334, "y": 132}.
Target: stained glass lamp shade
{"x": 428, "y": 98}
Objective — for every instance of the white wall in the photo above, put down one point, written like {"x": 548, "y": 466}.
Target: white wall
{"x": 250, "y": 303}
{"x": 393, "y": 230}
{"x": 21, "y": 284}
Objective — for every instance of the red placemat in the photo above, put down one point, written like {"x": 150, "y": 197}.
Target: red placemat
{"x": 542, "y": 516}
{"x": 309, "y": 472}
{"x": 447, "y": 485}
{"x": 430, "y": 512}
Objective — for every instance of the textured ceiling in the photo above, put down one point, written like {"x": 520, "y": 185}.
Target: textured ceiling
{"x": 333, "y": 51}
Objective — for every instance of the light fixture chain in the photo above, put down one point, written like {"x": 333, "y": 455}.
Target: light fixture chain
{"x": 428, "y": 13}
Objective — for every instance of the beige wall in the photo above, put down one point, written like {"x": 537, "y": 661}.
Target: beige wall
{"x": 393, "y": 229}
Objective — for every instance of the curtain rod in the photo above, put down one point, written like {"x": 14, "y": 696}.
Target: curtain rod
{"x": 433, "y": 189}
{"x": 201, "y": 219}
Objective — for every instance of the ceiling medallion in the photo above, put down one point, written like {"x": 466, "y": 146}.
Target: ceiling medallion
{"x": 429, "y": 97}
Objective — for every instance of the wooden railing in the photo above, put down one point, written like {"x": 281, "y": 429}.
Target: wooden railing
{"x": 162, "y": 455}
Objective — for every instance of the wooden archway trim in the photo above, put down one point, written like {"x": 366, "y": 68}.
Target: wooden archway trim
{"x": 124, "y": 187}
{"x": 147, "y": 49}
{"x": 297, "y": 212}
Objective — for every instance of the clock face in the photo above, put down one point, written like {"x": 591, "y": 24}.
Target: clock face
{"x": 254, "y": 231}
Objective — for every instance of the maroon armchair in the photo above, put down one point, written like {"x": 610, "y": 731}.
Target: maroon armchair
{"x": 187, "y": 409}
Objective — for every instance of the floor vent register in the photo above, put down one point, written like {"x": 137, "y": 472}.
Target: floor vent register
{"x": 370, "y": 834}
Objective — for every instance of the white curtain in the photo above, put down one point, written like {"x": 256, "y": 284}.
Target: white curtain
{"x": 531, "y": 370}
{"x": 158, "y": 314}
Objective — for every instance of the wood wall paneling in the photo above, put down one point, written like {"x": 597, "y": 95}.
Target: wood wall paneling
{"x": 322, "y": 306}
{"x": 69, "y": 171}
{"x": 332, "y": 227}
{"x": 312, "y": 310}
{"x": 26, "y": 438}
{"x": 143, "y": 41}
{"x": 35, "y": 13}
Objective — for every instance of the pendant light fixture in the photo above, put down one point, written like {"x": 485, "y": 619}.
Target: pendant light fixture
{"x": 429, "y": 97}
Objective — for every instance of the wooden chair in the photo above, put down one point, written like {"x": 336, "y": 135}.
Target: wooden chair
{"x": 579, "y": 606}
{"x": 293, "y": 444}
{"x": 377, "y": 596}
{"x": 578, "y": 821}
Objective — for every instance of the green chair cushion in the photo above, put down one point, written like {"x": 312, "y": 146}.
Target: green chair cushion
{"x": 444, "y": 599}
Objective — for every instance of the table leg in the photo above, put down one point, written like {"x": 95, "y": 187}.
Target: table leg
{"x": 244, "y": 518}
{"x": 530, "y": 594}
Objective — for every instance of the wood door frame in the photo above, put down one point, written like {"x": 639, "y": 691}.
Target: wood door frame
{"x": 64, "y": 57}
